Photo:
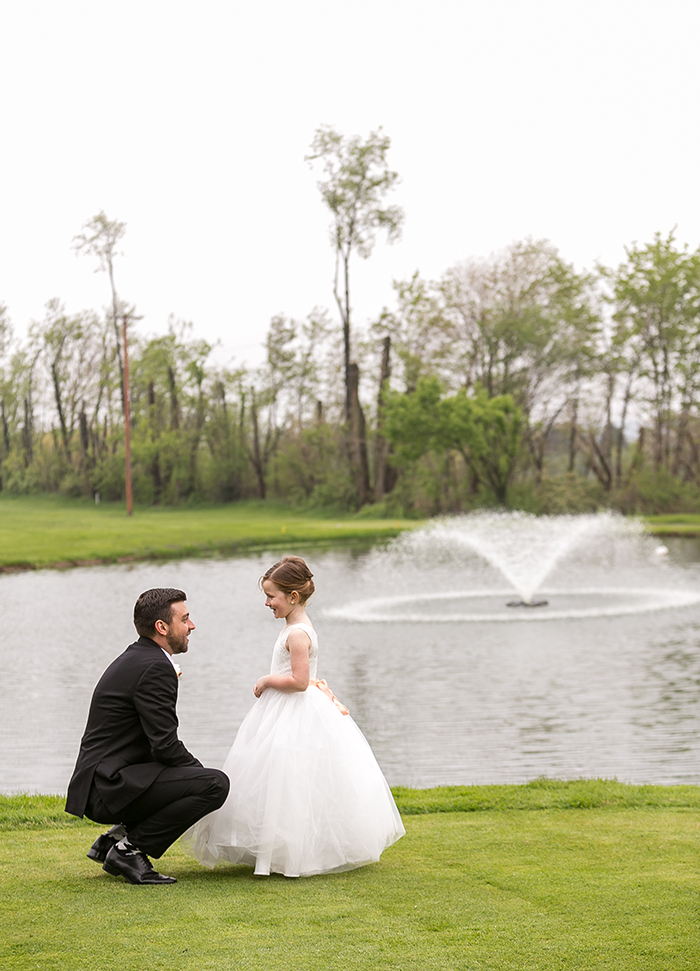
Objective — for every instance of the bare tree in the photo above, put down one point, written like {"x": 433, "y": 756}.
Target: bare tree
{"x": 357, "y": 178}
{"x": 99, "y": 238}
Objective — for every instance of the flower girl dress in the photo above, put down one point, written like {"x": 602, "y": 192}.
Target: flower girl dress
{"x": 307, "y": 795}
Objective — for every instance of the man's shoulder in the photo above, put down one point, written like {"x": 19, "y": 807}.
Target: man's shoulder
{"x": 146, "y": 650}
{"x": 136, "y": 658}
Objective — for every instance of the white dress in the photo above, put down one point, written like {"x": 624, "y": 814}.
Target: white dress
{"x": 307, "y": 795}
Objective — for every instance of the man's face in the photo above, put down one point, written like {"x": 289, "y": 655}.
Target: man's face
{"x": 179, "y": 628}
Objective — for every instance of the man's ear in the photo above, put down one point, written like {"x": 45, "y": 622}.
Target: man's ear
{"x": 161, "y": 628}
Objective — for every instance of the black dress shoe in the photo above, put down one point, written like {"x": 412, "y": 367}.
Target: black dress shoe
{"x": 134, "y": 866}
{"x": 102, "y": 845}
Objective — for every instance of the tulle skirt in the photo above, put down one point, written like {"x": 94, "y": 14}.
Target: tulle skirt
{"x": 307, "y": 795}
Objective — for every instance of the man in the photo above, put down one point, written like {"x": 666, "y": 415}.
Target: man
{"x": 132, "y": 769}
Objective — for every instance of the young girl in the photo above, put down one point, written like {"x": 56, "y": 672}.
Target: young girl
{"x": 307, "y": 795}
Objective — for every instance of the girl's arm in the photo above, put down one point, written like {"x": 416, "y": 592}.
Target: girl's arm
{"x": 298, "y": 644}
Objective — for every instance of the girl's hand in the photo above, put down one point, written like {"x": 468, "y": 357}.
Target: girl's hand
{"x": 260, "y": 686}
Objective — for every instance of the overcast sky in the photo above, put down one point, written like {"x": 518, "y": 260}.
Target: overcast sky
{"x": 189, "y": 121}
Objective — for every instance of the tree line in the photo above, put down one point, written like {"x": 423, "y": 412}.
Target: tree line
{"x": 512, "y": 380}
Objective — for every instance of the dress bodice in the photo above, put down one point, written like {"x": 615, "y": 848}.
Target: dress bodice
{"x": 281, "y": 659}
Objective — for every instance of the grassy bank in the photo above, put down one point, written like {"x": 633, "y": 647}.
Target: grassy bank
{"x": 675, "y": 524}
{"x": 40, "y": 531}
{"x": 613, "y": 885}
{"x": 46, "y": 530}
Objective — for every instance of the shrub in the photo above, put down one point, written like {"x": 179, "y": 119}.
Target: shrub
{"x": 658, "y": 492}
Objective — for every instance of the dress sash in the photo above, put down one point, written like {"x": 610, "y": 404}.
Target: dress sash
{"x": 323, "y": 685}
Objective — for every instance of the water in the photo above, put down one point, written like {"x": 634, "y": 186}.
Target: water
{"x": 449, "y": 685}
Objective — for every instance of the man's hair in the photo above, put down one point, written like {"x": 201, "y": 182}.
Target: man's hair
{"x": 153, "y": 605}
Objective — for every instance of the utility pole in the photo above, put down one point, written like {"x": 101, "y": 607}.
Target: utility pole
{"x": 127, "y": 419}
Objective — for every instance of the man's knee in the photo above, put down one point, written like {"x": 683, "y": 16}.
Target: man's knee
{"x": 218, "y": 788}
{"x": 96, "y": 809}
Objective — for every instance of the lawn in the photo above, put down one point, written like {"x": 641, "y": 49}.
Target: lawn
{"x": 49, "y": 530}
{"x": 585, "y": 875}
{"x": 675, "y": 524}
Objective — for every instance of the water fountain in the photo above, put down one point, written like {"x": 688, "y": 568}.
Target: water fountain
{"x": 604, "y": 565}
{"x": 525, "y": 548}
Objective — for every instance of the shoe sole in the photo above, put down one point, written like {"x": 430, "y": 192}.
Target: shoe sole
{"x": 112, "y": 870}
{"x": 97, "y": 857}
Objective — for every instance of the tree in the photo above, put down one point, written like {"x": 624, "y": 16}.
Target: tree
{"x": 223, "y": 436}
{"x": 261, "y": 424}
{"x": 71, "y": 350}
{"x": 417, "y": 329}
{"x": 357, "y": 180}
{"x": 172, "y": 390}
{"x": 5, "y": 330}
{"x": 99, "y": 238}
{"x": 485, "y": 431}
{"x": 23, "y": 373}
{"x": 656, "y": 295}
{"x": 5, "y": 342}
{"x": 522, "y": 323}
{"x": 196, "y": 372}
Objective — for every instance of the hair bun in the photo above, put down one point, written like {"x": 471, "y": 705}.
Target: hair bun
{"x": 291, "y": 574}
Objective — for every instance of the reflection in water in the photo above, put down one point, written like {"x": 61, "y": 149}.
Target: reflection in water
{"x": 441, "y": 703}
{"x": 669, "y": 696}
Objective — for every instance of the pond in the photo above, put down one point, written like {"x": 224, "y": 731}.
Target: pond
{"x": 449, "y": 685}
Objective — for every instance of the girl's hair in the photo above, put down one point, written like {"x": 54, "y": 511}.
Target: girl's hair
{"x": 291, "y": 573}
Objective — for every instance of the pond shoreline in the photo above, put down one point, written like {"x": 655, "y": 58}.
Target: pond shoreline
{"x": 51, "y": 532}
{"x": 189, "y": 552}
{"x": 39, "y": 532}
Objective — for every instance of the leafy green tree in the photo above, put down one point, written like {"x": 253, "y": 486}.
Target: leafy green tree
{"x": 172, "y": 390}
{"x": 262, "y": 405}
{"x": 21, "y": 391}
{"x": 485, "y": 431}
{"x": 522, "y": 323}
{"x": 71, "y": 351}
{"x": 225, "y": 475}
{"x": 6, "y": 336}
{"x": 656, "y": 296}
{"x": 416, "y": 328}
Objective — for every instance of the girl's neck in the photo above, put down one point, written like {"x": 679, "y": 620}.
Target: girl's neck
{"x": 296, "y": 616}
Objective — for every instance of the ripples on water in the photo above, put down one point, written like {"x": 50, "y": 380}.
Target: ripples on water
{"x": 460, "y": 701}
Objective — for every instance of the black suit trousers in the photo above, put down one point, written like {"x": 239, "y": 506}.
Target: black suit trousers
{"x": 175, "y": 801}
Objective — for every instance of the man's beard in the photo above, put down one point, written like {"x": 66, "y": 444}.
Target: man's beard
{"x": 177, "y": 643}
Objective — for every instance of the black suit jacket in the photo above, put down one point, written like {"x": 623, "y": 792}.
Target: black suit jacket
{"x": 131, "y": 731}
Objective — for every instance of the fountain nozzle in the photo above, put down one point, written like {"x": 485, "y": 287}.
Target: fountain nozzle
{"x": 527, "y": 603}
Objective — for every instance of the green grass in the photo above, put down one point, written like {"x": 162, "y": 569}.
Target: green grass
{"x": 49, "y": 530}
{"x": 675, "y": 524}
{"x": 24, "y": 811}
{"x": 545, "y": 794}
{"x": 610, "y": 887}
